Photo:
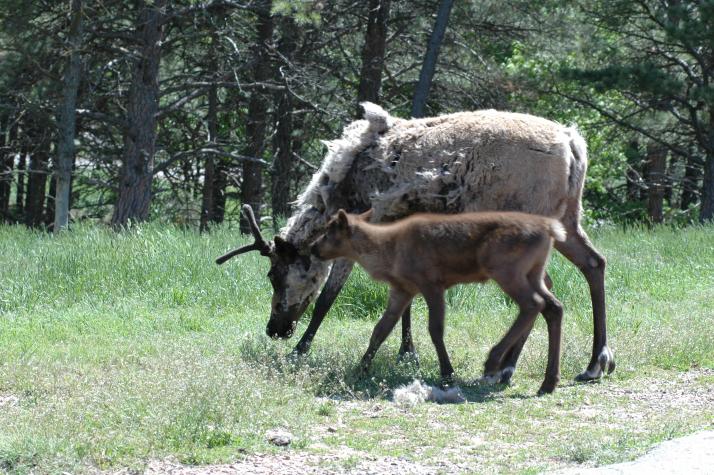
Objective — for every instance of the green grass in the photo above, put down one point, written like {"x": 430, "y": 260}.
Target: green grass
{"x": 117, "y": 349}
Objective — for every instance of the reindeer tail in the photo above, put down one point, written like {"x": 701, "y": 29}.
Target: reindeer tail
{"x": 379, "y": 119}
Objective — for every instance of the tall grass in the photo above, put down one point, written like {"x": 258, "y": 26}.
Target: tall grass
{"x": 119, "y": 348}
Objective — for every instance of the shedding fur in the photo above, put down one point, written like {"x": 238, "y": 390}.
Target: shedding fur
{"x": 418, "y": 392}
{"x": 341, "y": 152}
{"x": 467, "y": 161}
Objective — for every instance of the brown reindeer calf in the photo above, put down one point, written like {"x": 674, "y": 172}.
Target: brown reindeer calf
{"x": 428, "y": 253}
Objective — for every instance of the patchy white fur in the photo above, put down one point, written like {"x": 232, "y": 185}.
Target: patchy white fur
{"x": 558, "y": 231}
{"x": 311, "y": 214}
{"x": 299, "y": 282}
{"x": 418, "y": 392}
{"x": 341, "y": 152}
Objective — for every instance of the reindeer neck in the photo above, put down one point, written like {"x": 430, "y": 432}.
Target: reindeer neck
{"x": 369, "y": 241}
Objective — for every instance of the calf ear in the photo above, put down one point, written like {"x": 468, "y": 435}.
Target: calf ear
{"x": 285, "y": 248}
{"x": 367, "y": 215}
{"x": 342, "y": 219}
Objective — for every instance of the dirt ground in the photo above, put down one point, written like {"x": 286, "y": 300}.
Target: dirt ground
{"x": 693, "y": 454}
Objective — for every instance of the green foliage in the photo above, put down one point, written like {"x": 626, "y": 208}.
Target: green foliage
{"x": 620, "y": 70}
{"x": 643, "y": 77}
{"x": 303, "y": 12}
{"x": 124, "y": 348}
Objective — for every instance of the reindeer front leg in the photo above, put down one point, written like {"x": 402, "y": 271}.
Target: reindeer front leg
{"x": 398, "y": 302}
{"x": 339, "y": 273}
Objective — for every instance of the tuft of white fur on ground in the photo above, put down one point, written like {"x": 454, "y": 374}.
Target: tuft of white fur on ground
{"x": 418, "y": 392}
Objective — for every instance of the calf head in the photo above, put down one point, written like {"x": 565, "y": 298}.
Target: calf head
{"x": 339, "y": 239}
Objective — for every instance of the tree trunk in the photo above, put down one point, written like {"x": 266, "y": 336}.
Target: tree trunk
{"x": 36, "y": 186}
{"x": 7, "y": 164}
{"x": 50, "y": 203}
{"x": 707, "y": 211}
{"x": 220, "y": 182}
{"x": 283, "y": 138}
{"x": 689, "y": 183}
{"x": 20, "y": 189}
{"x": 208, "y": 192}
{"x": 252, "y": 186}
{"x": 656, "y": 168}
{"x": 432, "y": 53}
{"x": 142, "y": 105}
{"x": 67, "y": 119}
{"x": 633, "y": 177}
{"x": 375, "y": 41}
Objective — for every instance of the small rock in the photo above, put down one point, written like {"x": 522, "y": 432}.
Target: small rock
{"x": 279, "y": 437}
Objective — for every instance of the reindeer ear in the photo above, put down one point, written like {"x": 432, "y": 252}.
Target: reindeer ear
{"x": 342, "y": 219}
{"x": 284, "y": 248}
{"x": 367, "y": 215}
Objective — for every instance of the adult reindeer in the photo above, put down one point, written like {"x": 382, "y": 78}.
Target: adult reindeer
{"x": 468, "y": 161}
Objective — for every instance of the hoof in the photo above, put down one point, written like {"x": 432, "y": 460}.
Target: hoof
{"x": 546, "y": 389}
{"x": 300, "y": 350}
{"x": 447, "y": 382}
{"x": 294, "y": 356}
{"x": 362, "y": 370}
{"x": 586, "y": 377}
{"x": 409, "y": 356}
{"x": 605, "y": 363}
{"x": 506, "y": 375}
{"x": 492, "y": 378}
{"x": 611, "y": 365}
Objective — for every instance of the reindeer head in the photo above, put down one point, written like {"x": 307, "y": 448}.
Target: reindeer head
{"x": 296, "y": 277}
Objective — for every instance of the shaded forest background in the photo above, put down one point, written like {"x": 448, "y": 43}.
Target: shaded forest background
{"x": 180, "y": 111}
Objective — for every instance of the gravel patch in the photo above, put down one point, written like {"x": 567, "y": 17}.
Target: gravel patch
{"x": 693, "y": 454}
{"x": 344, "y": 462}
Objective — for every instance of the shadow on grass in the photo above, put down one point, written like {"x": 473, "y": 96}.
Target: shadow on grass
{"x": 335, "y": 375}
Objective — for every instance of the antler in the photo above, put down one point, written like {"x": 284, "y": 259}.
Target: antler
{"x": 260, "y": 243}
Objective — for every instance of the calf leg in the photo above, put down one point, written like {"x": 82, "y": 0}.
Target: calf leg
{"x": 530, "y": 304}
{"x": 553, "y": 314}
{"x": 338, "y": 276}
{"x": 508, "y": 367}
{"x": 578, "y": 249}
{"x": 406, "y": 350}
{"x": 437, "y": 309}
{"x": 398, "y": 301}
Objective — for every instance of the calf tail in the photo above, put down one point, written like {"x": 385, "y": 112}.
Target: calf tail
{"x": 556, "y": 230}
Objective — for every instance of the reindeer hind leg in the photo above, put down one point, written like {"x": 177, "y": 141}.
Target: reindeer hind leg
{"x": 578, "y": 249}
